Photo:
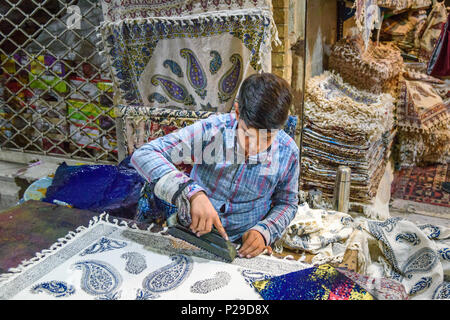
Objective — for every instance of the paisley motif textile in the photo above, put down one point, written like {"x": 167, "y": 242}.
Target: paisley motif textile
{"x": 376, "y": 69}
{"x": 403, "y": 4}
{"x": 345, "y": 126}
{"x": 138, "y": 264}
{"x": 171, "y": 54}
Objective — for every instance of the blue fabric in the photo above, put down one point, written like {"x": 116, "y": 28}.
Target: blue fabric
{"x": 98, "y": 188}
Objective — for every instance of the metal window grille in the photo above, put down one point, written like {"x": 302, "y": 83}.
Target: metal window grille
{"x": 56, "y": 95}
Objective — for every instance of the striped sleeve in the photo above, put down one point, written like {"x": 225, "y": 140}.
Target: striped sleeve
{"x": 157, "y": 158}
{"x": 285, "y": 204}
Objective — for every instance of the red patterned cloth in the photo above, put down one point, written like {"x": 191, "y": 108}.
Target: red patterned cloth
{"x": 422, "y": 185}
{"x": 439, "y": 65}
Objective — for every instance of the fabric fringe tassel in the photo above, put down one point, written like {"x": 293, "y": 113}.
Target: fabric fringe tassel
{"x": 69, "y": 238}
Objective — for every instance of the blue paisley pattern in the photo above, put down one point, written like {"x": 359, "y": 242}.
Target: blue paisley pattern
{"x": 130, "y": 46}
{"x": 104, "y": 244}
{"x": 57, "y": 289}
{"x": 175, "y": 90}
{"x": 135, "y": 262}
{"x": 389, "y": 224}
{"x": 169, "y": 277}
{"x": 230, "y": 81}
{"x": 216, "y": 62}
{"x": 157, "y": 97}
{"x": 99, "y": 278}
{"x": 195, "y": 73}
{"x": 409, "y": 237}
{"x": 422, "y": 261}
{"x": 174, "y": 67}
{"x": 110, "y": 296}
{"x": 424, "y": 283}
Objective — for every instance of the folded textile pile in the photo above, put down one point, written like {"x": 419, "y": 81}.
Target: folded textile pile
{"x": 423, "y": 119}
{"x": 404, "y": 30}
{"x": 376, "y": 69}
{"x": 345, "y": 126}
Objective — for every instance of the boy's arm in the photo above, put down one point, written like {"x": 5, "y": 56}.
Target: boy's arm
{"x": 155, "y": 162}
{"x": 285, "y": 204}
{"x": 156, "y": 159}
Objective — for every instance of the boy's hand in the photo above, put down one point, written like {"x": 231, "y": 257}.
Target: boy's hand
{"x": 253, "y": 244}
{"x": 204, "y": 216}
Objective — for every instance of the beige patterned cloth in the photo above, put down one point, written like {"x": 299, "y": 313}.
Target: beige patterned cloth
{"x": 423, "y": 119}
{"x": 420, "y": 107}
{"x": 375, "y": 70}
{"x": 403, "y": 4}
{"x": 171, "y": 53}
{"x": 423, "y": 148}
{"x": 414, "y": 255}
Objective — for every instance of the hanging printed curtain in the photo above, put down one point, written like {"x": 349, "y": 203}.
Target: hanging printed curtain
{"x": 186, "y": 54}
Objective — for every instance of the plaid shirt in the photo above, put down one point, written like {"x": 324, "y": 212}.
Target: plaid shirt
{"x": 260, "y": 193}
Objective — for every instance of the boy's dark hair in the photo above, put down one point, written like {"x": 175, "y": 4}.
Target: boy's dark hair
{"x": 264, "y": 101}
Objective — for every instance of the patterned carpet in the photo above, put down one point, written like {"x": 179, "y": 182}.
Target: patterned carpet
{"x": 421, "y": 187}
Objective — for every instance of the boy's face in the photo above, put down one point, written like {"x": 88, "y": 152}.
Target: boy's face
{"x": 253, "y": 140}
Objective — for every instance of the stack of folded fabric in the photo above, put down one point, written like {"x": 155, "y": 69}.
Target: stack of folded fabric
{"x": 375, "y": 69}
{"x": 423, "y": 120}
{"x": 345, "y": 126}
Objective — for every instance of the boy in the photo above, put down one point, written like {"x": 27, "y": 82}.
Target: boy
{"x": 244, "y": 179}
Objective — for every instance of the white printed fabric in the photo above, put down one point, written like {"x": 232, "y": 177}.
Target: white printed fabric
{"x": 114, "y": 261}
{"x": 417, "y": 256}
